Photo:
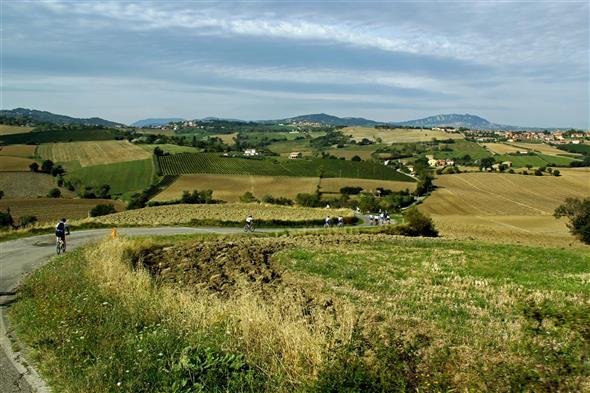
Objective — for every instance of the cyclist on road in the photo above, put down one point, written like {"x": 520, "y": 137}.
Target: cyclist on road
{"x": 61, "y": 230}
{"x": 328, "y": 222}
{"x": 249, "y": 221}
{"x": 340, "y": 221}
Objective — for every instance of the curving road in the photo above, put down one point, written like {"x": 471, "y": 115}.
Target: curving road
{"x": 19, "y": 258}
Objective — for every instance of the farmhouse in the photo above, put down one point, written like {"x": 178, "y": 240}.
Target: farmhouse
{"x": 295, "y": 155}
{"x": 250, "y": 152}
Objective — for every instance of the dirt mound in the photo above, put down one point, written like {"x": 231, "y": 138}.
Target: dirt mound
{"x": 218, "y": 266}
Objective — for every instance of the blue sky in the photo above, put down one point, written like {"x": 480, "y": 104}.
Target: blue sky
{"x": 520, "y": 63}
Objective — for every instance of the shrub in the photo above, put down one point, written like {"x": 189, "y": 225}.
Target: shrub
{"x": 578, "y": 212}
{"x": 308, "y": 200}
{"x": 54, "y": 193}
{"x": 556, "y": 172}
{"x": 1, "y": 194}
{"x": 6, "y": 219}
{"x": 204, "y": 196}
{"x": 356, "y": 158}
{"x": 34, "y": 167}
{"x": 511, "y": 171}
{"x": 47, "y": 166}
{"x": 538, "y": 172}
{"x": 351, "y": 190}
{"x": 27, "y": 220}
{"x": 277, "y": 201}
{"x": 248, "y": 197}
{"x": 416, "y": 224}
{"x": 102, "y": 210}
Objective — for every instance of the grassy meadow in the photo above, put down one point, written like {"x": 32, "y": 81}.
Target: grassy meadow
{"x": 123, "y": 177}
{"x": 309, "y": 314}
{"x": 93, "y": 152}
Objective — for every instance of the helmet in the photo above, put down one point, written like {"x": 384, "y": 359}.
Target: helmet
{"x": 63, "y": 219}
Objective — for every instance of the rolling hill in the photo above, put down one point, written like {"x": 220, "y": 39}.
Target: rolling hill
{"x": 154, "y": 122}
{"x": 48, "y": 117}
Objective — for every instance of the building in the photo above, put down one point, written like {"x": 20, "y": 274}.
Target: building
{"x": 295, "y": 155}
{"x": 250, "y": 152}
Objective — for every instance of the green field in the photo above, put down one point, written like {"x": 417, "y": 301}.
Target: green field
{"x": 170, "y": 148}
{"x": 313, "y": 313}
{"x": 186, "y": 163}
{"x": 60, "y": 136}
{"x": 556, "y": 160}
{"x": 571, "y": 148}
{"x": 123, "y": 177}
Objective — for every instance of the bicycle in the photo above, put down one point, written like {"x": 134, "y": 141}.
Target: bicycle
{"x": 60, "y": 246}
{"x": 249, "y": 227}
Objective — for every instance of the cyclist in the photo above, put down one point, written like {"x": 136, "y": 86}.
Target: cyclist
{"x": 328, "y": 222}
{"x": 249, "y": 222}
{"x": 61, "y": 230}
{"x": 340, "y": 221}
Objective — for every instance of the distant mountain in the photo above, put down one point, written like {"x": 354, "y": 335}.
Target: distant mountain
{"x": 212, "y": 118}
{"x": 48, "y": 117}
{"x": 155, "y": 122}
{"x": 451, "y": 120}
{"x": 329, "y": 120}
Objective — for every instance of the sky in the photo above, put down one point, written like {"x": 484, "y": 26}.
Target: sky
{"x": 517, "y": 63}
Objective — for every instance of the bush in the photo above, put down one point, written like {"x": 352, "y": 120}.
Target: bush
{"x": 578, "y": 212}
{"x": 416, "y": 224}
{"x": 54, "y": 193}
{"x": 556, "y": 172}
{"x": 248, "y": 197}
{"x": 1, "y": 194}
{"x": 277, "y": 201}
{"x": 356, "y": 158}
{"x": 102, "y": 210}
{"x": 197, "y": 197}
{"x": 538, "y": 172}
{"x": 308, "y": 200}
{"x": 27, "y": 220}
{"x": 34, "y": 167}
{"x": 351, "y": 190}
{"x": 47, "y": 166}
{"x": 6, "y": 219}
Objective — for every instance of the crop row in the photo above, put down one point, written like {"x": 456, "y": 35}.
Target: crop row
{"x": 187, "y": 163}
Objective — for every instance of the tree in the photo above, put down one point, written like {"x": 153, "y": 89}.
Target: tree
{"x": 417, "y": 224}
{"x": 248, "y": 197}
{"x": 27, "y": 220}
{"x": 47, "y": 166}
{"x": 54, "y": 193}
{"x": 102, "y": 210}
{"x": 34, "y": 167}
{"x": 538, "y": 172}
{"x": 556, "y": 172}
{"x": 1, "y": 194}
{"x": 486, "y": 162}
{"x": 57, "y": 170}
{"x": 356, "y": 158}
{"x": 6, "y": 219}
{"x": 158, "y": 151}
{"x": 578, "y": 212}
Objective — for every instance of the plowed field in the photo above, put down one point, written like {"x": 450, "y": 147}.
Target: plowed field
{"x": 93, "y": 153}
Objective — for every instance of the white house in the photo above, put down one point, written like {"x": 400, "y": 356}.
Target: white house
{"x": 295, "y": 155}
{"x": 250, "y": 152}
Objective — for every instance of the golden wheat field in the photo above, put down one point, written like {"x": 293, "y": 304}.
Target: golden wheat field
{"x": 334, "y": 184}
{"x": 10, "y": 164}
{"x": 7, "y": 129}
{"x": 229, "y": 188}
{"x": 27, "y": 151}
{"x": 505, "y": 208}
{"x": 502, "y": 148}
{"x": 397, "y": 135}
{"x": 93, "y": 153}
{"x": 228, "y": 139}
{"x": 231, "y": 212}
{"x": 52, "y": 209}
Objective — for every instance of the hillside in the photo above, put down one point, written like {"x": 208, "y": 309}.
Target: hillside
{"x": 154, "y": 122}
{"x": 450, "y": 120}
{"x": 37, "y": 116}
{"x": 329, "y": 120}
